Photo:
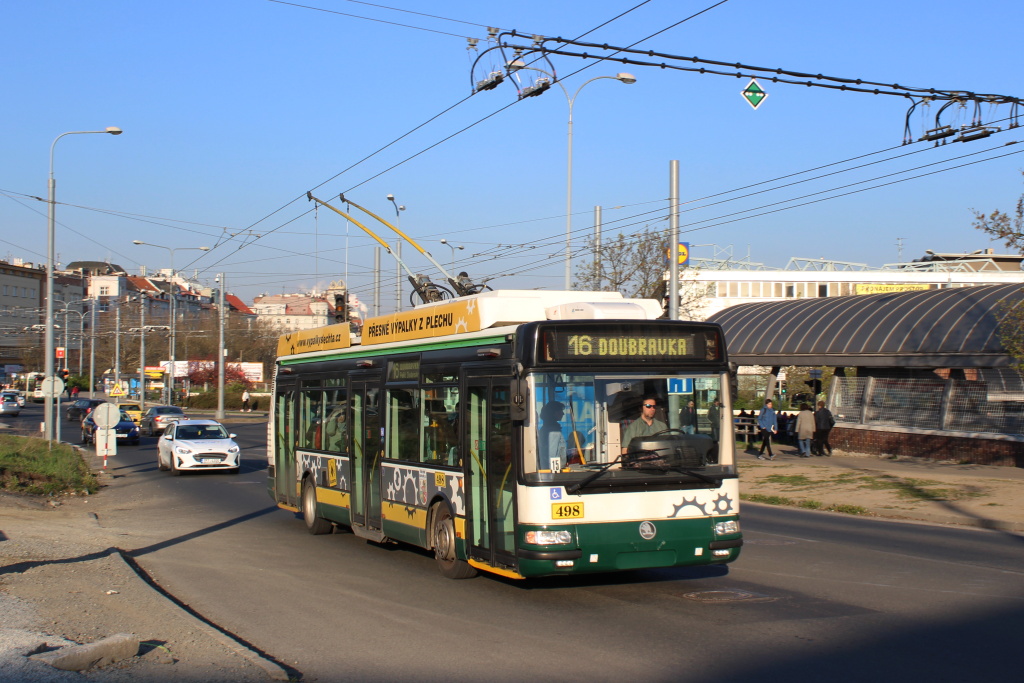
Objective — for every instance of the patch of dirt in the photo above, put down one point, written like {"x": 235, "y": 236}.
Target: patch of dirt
{"x": 60, "y": 580}
{"x": 916, "y": 489}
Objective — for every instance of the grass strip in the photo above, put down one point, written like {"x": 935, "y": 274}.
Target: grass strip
{"x": 30, "y": 465}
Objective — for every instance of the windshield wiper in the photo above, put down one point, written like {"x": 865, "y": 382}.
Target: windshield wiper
{"x": 703, "y": 477}
{"x": 589, "y": 478}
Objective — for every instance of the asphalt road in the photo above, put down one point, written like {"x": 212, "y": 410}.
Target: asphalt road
{"x": 814, "y": 595}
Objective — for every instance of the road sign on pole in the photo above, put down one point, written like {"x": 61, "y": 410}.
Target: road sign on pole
{"x": 106, "y": 415}
{"x": 53, "y": 386}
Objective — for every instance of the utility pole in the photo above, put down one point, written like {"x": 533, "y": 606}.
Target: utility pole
{"x": 142, "y": 350}
{"x": 222, "y": 279}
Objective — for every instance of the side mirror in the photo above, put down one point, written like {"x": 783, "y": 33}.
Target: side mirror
{"x": 517, "y": 400}
{"x": 232, "y": 436}
{"x": 169, "y": 436}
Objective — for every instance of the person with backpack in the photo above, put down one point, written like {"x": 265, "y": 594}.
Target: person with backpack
{"x": 823, "y": 423}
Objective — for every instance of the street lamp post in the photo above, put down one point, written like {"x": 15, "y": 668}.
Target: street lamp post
{"x": 221, "y": 356}
{"x": 398, "y": 252}
{"x": 49, "y": 415}
{"x": 623, "y": 77}
{"x": 453, "y": 248}
{"x": 174, "y": 298}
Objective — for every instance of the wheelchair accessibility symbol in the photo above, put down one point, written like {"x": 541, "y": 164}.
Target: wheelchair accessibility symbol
{"x": 556, "y": 494}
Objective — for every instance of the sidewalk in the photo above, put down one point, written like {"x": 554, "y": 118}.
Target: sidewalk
{"x": 917, "y": 489}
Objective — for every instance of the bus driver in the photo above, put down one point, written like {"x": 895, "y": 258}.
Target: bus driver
{"x": 646, "y": 425}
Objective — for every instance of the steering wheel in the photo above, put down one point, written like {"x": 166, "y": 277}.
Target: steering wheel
{"x": 670, "y": 430}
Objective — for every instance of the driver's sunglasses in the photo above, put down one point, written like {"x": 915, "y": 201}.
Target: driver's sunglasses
{"x": 650, "y": 405}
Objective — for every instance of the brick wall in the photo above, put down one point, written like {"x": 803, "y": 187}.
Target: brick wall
{"x": 967, "y": 448}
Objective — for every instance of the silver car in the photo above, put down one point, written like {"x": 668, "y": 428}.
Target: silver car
{"x": 18, "y": 396}
{"x": 9, "y": 405}
{"x": 197, "y": 445}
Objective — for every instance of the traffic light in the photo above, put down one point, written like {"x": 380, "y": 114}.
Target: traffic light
{"x": 815, "y": 385}
{"x": 64, "y": 374}
{"x": 341, "y": 308}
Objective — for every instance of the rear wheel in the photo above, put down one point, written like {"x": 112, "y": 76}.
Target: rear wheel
{"x": 314, "y": 524}
{"x": 442, "y": 536}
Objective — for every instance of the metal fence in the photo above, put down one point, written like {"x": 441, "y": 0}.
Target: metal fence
{"x": 934, "y": 404}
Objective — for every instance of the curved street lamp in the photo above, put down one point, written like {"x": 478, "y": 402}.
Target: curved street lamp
{"x": 49, "y": 415}
{"x": 453, "y": 248}
{"x": 622, "y": 77}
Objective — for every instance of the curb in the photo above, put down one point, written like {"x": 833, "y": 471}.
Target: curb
{"x": 274, "y": 670}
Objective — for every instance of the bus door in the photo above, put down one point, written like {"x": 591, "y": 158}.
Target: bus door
{"x": 366, "y": 449}
{"x": 285, "y": 435}
{"x": 490, "y": 470}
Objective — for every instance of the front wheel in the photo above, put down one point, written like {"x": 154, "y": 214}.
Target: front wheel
{"x": 314, "y": 524}
{"x": 160, "y": 464}
{"x": 442, "y": 536}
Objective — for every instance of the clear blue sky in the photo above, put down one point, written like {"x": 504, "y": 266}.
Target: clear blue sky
{"x": 233, "y": 109}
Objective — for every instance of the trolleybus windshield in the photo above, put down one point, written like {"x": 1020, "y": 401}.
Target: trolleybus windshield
{"x": 583, "y": 421}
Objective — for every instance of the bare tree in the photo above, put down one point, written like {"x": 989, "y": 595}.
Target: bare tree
{"x": 634, "y": 265}
{"x": 637, "y": 265}
{"x": 1003, "y": 226}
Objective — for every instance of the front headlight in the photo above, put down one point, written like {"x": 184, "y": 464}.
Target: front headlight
{"x": 726, "y": 528}
{"x": 549, "y": 537}
{"x": 232, "y": 449}
{"x": 182, "y": 450}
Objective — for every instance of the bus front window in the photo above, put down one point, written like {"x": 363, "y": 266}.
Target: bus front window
{"x": 580, "y": 422}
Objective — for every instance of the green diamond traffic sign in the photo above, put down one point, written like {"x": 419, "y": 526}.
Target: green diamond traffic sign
{"x": 754, "y": 94}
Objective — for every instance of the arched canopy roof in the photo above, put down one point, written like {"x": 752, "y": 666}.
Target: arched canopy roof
{"x": 935, "y": 328}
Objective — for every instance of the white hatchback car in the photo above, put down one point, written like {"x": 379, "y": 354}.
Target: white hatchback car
{"x": 197, "y": 445}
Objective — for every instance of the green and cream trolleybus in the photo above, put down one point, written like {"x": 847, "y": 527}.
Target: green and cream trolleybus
{"x": 523, "y": 433}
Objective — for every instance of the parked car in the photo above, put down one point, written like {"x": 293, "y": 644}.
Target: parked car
{"x": 17, "y": 396}
{"x": 9, "y": 405}
{"x": 134, "y": 411}
{"x": 157, "y": 418}
{"x": 126, "y": 430}
{"x": 81, "y": 407}
{"x": 197, "y": 445}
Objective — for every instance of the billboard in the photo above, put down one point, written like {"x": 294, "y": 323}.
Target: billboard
{"x": 253, "y": 371}
{"x": 887, "y": 289}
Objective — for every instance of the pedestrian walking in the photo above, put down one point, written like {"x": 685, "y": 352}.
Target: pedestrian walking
{"x": 715, "y": 418}
{"x": 688, "y": 417}
{"x": 245, "y": 402}
{"x": 804, "y": 430}
{"x": 768, "y": 423}
{"x": 823, "y": 424}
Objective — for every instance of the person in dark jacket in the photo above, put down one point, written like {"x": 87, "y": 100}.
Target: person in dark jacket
{"x": 769, "y": 426}
{"x": 823, "y": 423}
{"x": 688, "y": 417}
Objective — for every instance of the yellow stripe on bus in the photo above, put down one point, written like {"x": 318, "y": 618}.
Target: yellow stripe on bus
{"x": 404, "y": 514}
{"x": 507, "y": 573}
{"x": 332, "y": 497}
